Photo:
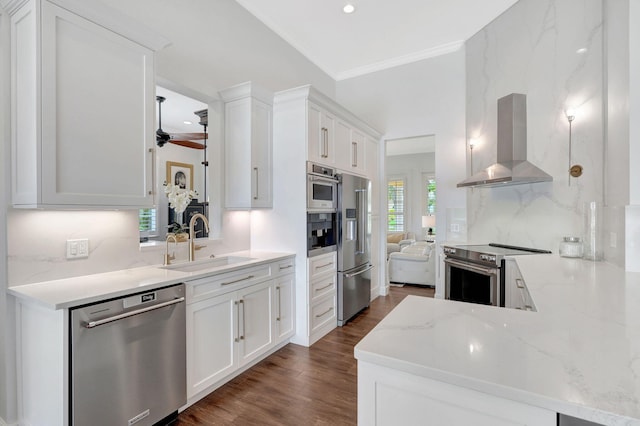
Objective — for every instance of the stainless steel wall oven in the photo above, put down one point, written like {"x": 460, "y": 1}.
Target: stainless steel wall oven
{"x": 322, "y": 189}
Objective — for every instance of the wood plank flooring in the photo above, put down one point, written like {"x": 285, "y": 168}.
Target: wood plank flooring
{"x": 299, "y": 385}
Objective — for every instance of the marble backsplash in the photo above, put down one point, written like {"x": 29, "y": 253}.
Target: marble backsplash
{"x": 37, "y": 243}
{"x": 550, "y": 50}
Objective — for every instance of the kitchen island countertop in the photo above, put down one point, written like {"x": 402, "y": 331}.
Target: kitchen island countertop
{"x": 579, "y": 354}
{"x": 81, "y": 290}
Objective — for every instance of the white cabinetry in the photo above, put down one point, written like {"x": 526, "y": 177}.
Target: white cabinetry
{"x": 516, "y": 294}
{"x": 352, "y": 149}
{"x": 322, "y": 295}
{"x": 234, "y": 320}
{"x": 386, "y": 395}
{"x": 321, "y": 135}
{"x": 248, "y": 147}
{"x": 300, "y": 115}
{"x": 82, "y": 106}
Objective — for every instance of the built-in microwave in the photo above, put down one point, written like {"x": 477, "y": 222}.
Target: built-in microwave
{"x": 322, "y": 188}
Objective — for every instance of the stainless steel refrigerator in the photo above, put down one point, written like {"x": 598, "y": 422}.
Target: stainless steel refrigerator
{"x": 354, "y": 267}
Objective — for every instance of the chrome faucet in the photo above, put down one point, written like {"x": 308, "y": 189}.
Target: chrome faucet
{"x": 168, "y": 258}
{"x": 192, "y": 224}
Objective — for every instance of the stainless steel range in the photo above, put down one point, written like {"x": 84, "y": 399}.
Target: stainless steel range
{"x": 475, "y": 273}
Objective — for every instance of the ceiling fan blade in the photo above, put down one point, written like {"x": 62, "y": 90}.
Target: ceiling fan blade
{"x": 189, "y": 136}
{"x": 188, "y": 144}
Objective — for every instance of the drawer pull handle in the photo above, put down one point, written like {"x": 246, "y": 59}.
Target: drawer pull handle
{"x": 325, "y": 265}
{"x": 326, "y": 286}
{"x": 286, "y": 267}
{"x": 248, "y": 277}
{"x": 324, "y": 313}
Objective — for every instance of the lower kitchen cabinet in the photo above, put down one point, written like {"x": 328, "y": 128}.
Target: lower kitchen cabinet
{"x": 284, "y": 305}
{"x": 386, "y": 395}
{"x": 234, "y": 328}
{"x": 516, "y": 294}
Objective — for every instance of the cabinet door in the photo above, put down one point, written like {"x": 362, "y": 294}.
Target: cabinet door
{"x": 255, "y": 325}
{"x": 357, "y": 152}
{"x": 248, "y": 154}
{"x": 261, "y": 162}
{"x": 284, "y": 307}
{"x": 211, "y": 335}
{"x": 320, "y": 136}
{"x": 97, "y": 124}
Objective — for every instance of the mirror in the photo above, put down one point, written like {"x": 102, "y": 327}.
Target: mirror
{"x": 182, "y": 160}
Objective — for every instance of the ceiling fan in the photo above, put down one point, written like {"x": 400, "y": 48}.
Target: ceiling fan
{"x": 182, "y": 139}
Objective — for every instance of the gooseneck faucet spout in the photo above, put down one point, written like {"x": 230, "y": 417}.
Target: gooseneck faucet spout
{"x": 192, "y": 224}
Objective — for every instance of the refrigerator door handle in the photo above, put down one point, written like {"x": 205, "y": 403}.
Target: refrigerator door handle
{"x": 353, "y": 274}
{"x": 361, "y": 203}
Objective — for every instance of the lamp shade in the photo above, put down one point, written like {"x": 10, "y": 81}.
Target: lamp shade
{"x": 428, "y": 221}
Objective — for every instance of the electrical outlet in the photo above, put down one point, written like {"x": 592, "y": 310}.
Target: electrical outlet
{"x": 78, "y": 249}
{"x": 455, "y": 227}
{"x": 613, "y": 239}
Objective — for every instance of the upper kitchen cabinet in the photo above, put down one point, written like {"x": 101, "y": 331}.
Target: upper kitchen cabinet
{"x": 248, "y": 147}
{"x": 82, "y": 106}
{"x": 351, "y": 147}
{"x": 321, "y": 136}
{"x": 335, "y": 137}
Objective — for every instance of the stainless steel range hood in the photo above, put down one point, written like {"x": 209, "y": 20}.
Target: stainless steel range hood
{"x": 512, "y": 167}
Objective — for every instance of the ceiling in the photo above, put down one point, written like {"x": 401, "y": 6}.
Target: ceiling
{"x": 177, "y": 109}
{"x": 414, "y": 145}
{"x": 379, "y": 34}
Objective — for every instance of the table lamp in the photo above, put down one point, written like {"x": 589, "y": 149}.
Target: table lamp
{"x": 429, "y": 222}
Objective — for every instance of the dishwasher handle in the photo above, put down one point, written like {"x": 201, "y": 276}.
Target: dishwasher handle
{"x": 93, "y": 324}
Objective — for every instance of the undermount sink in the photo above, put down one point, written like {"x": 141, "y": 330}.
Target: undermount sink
{"x": 200, "y": 265}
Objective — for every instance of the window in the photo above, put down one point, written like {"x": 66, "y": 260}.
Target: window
{"x": 429, "y": 196}
{"x": 429, "y": 185}
{"x": 395, "y": 204}
{"x": 148, "y": 225}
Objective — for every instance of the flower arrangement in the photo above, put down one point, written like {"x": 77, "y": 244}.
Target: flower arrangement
{"x": 179, "y": 199}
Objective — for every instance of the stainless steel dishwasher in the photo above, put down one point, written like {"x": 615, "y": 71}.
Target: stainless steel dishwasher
{"x": 128, "y": 362}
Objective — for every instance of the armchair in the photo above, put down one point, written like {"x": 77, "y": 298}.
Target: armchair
{"x": 414, "y": 264}
{"x": 396, "y": 241}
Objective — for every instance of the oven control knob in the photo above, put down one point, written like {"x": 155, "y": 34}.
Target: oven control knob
{"x": 449, "y": 250}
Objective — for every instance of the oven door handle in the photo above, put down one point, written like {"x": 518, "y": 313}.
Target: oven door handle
{"x": 321, "y": 178}
{"x": 471, "y": 267}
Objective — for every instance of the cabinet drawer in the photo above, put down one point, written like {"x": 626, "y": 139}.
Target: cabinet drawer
{"x": 207, "y": 287}
{"x": 321, "y": 313}
{"x": 321, "y": 286}
{"x": 283, "y": 267}
{"x": 321, "y": 264}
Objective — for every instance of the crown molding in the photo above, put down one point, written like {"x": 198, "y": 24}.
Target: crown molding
{"x": 11, "y": 6}
{"x": 442, "y": 49}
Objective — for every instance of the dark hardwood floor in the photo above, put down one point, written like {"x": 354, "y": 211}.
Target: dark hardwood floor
{"x": 299, "y": 385}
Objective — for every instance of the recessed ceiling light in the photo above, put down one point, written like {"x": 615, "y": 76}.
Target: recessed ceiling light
{"x": 188, "y": 122}
{"x": 349, "y": 8}
{"x": 582, "y": 50}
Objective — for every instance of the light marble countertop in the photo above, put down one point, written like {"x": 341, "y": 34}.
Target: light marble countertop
{"x": 579, "y": 354}
{"x": 76, "y": 291}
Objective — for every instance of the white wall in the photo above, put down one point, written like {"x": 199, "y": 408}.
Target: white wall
{"x": 411, "y": 167}
{"x": 423, "y": 98}
{"x": 531, "y": 49}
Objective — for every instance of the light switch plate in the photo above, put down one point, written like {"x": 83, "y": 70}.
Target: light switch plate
{"x": 78, "y": 249}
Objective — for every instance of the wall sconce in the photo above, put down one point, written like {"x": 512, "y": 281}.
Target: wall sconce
{"x": 472, "y": 142}
{"x": 576, "y": 169}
